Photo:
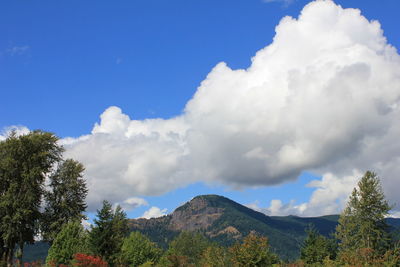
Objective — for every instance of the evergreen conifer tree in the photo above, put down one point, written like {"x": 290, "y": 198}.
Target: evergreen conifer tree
{"x": 316, "y": 247}
{"x": 110, "y": 228}
{"x": 362, "y": 224}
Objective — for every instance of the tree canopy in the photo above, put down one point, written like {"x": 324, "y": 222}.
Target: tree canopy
{"x": 109, "y": 230}
{"x": 187, "y": 247}
{"x": 70, "y": 240}
{"x": 137, "y": 249}
{"x": 362, "y": 223}
{"x": 65, "y": 201}
{"x": 253, "y": 251}
{"x": 25, "y": 161}
{"x": 316, "y": 247}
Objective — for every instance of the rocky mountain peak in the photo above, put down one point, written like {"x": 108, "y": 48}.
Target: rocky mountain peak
{"x": 199, "y": 213}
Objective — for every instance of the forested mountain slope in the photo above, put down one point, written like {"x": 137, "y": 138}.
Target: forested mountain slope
{"x": 226, "y": 221}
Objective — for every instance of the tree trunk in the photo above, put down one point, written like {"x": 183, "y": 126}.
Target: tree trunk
{"x": 21, "y": 253}
{"x": 10, "y": 258}
{"x": 8, "y": 255}
{"x": 4, "y": 257}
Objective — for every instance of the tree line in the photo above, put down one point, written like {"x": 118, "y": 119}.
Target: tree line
{"x": 109, "y": 244}
{"x": 43, "y": 196}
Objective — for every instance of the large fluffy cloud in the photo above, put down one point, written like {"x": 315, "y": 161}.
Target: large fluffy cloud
{"x": 323, "y": 96}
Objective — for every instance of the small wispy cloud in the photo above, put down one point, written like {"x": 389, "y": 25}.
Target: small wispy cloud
{"x": 18, "y": 50}
{"x": 154, "y": 212}
{"x": 133, "y": 203}
{"x": 284, "y": 2}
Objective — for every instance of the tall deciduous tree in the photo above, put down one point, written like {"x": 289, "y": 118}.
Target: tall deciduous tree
{"x": 362, "y": 223}
{"x": 65, "y": 201}
{"x": 25, "y": 161}
{"x": 110, "y": 229}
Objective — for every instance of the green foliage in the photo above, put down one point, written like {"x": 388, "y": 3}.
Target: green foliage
{"x": 316, "y": 248}
{"x": 215, "y": 256}
{"x": 362, "y": 224}
{"x": 253, "y": 251}
{"x": 110, "y": 229}
{"x": 392, "y": 256}
{"x": 25, "y": 161}
{"x": 187, "y": 247}
{"x": 70, "y": 240}
{"x": 137, "y": 249}
{"x": 66, "y": 200}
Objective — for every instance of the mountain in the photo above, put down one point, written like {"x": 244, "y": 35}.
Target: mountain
{"x": 225, "y": 221}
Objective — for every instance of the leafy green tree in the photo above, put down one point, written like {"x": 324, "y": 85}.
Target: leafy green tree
{"x": 110, "y": 229}
{"x": 187, "y": 247}
{"x": 362, "y": 224}
{"x": 215, "y": 256}
{"x": 316, "y": 248}
{"x": 252, "y": 252}
{"x": 137, "y": 249}
{"x": 70, "y": 240}
{"x": 25, "y": 161}
{"x": 65, "y": 201}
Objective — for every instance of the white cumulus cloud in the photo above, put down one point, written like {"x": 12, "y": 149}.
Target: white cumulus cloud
{"x": 324, "y": 97}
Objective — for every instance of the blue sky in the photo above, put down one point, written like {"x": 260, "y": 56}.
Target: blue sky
{"x": 62, "y": 64}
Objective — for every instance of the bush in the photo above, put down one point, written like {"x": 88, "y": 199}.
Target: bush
{"x": 85, "y": 260}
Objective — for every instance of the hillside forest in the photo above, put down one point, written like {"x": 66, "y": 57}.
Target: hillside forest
{"x": 42, "y": 200}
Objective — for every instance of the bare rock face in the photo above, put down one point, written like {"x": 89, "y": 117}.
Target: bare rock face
{"x": 194, "y": 215}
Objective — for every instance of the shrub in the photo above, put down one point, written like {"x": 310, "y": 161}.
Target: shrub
{"x": 85, "y": 260}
